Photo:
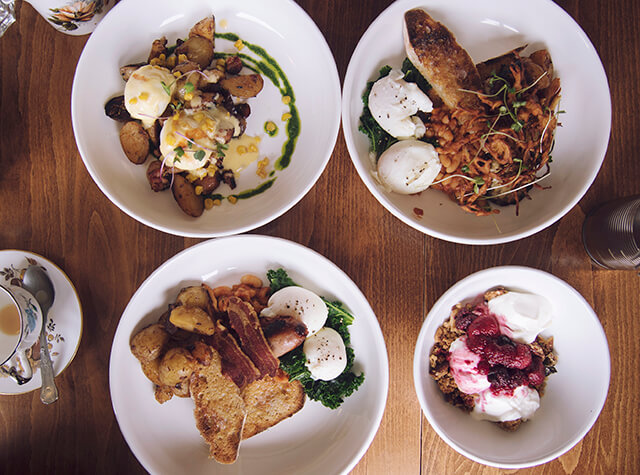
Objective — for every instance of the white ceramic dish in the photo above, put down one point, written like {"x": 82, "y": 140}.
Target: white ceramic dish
{"x": 316, "y": 440}
{"x": 64, "y": 327}
{"x": 286, "y": 32}
{"x": 573, "y": 398}
{"x": 487, "y": 29}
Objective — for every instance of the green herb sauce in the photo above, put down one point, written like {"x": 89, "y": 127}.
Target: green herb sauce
{"x": 266, "y": 65}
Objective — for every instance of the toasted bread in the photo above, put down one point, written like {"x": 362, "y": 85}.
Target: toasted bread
{"x": 270, "y": 400}
{"x": 220, "y": 410}
{"x": 434, "y": 51}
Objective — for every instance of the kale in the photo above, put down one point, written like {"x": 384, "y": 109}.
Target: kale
{"x": 279, "y": 279}
{"x": 411, "y": 74}
{"x": 379, "y": 138}
{"x": 330, "y": 393}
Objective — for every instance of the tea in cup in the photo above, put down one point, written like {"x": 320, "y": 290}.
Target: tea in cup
{"x": 20, "y": 324}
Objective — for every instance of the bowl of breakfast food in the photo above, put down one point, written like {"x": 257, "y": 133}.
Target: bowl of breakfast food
{"x": 248, "y": 354}
{"x": 511, "y": 367}
{"x": 208, "y": 118}
{"x": 476, "y": 122}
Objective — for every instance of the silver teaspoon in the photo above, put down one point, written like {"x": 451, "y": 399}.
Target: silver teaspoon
{"x": 37, "y": 282}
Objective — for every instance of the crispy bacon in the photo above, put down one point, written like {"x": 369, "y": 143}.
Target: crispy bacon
{"x": 244, "y": 321}
{"x": 235, "y": 363}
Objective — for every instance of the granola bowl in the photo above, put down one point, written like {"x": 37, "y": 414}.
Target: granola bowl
{"x": 571, "y": 401}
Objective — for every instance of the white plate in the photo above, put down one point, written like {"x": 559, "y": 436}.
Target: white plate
{"x": 64, "y": 327}
{"x": 316, "y": 440}
{"x": 573, "y": 398}
{"x": 285, "y": 31}
{"x": 487, "y": 29}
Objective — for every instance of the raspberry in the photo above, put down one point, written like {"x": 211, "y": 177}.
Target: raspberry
{"x": 463, "y": 319}
{"x": 484, "y": 325}
{"x": 536, "y": 371}
{"x": 504, "y": 379}
{"x": 511, "y": 355}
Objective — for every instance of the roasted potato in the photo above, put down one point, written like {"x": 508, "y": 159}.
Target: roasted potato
{"x": 192, "y": 319}
{"x": 194, "y": 296}
{"x": 198, "y": 49}
{"x": 185, "y": 195}
{"x": 150, "y": 370}
{"x": 135, "y": 142}
{"x": 205, "y": 28}
{"x": 115, "y": 109}
{"x": 245, "y": 85}
{"x": 148, "y": 344}
{"x": 158, "y": 47}
{"x": 176, "y": 365}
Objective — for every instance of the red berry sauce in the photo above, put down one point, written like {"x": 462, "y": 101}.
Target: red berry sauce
{"x": 507, "y": 363}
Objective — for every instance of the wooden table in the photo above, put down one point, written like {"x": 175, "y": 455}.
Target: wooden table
{"x": 51, "y": 206}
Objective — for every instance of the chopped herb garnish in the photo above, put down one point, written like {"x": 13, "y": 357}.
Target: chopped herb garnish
{"x": 464, "y": 169}
{"x": 166, "y": 88}
{"x": 179, "y": 151}
{"x": 199, "y": 155}
{"x": 188, "y": 87}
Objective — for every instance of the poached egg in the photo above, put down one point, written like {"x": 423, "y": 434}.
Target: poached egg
{"x": 148, "y": 92}
{"x": 393, "y": 103}
{"x": 299, "y": 303}
{"x": 408, "y": 166}
{"x": 326, "y": 354}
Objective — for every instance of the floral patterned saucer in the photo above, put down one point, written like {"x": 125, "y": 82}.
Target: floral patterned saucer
{"x": 64, "y": 326}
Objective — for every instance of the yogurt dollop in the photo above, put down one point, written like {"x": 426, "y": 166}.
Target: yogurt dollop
{"x": 463, "y": 364}
{"x": 521, "y": 316}
{"x": 506, "y": 407}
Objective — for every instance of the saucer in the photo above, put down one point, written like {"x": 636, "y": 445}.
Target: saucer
{"x": 64, "y": 324}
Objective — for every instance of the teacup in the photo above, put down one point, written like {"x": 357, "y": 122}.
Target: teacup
{"x": 20, "y": 324}
{"x": 73, "y": 17}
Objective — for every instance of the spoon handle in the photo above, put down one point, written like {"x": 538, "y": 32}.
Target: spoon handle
{"x": 49, "y": 391}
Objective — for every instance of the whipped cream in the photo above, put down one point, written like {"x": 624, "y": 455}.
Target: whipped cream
{"x": 521, "y": 316}
{"x": 463, "y": 364}
{"x": 505, "y": 407}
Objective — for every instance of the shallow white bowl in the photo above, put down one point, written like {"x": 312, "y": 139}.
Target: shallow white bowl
{"x": 487, "y": 29}
{"x": 285, "y": 31}
{"x": 316, "y": 440}
{"x": 573, "y": 398}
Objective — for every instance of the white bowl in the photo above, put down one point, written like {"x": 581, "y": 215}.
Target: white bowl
{"x": 286, "y": 32}
{"x": 488, "y": 29}
{"x": 316, "y": 440}
{"x": 573, "y": 398}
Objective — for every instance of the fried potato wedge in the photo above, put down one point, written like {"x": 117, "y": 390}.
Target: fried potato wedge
{"x": 192, "y": 319}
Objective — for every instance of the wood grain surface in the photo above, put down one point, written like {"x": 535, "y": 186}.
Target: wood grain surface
{"x": 50, "y": 205}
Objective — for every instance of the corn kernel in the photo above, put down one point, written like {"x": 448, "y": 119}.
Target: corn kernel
{"x": 286, "y": 116}
{"x": 220, "y": 62}
{"x": 133, "y": 100}
{"x": 182, "y": 58}
{"x": 143, "y": 96}
{"x": 208, "y": 203}
{"x": 177, "y": 74}
{"x": 253, "y": 148}
{"x": 239, "y": 44}
{"x": 162, "y": 56}
{"x": 171, "y": 62}
{"x": 232, "y": 199}
{"x": 270, "y": 126}
{"x": 191, "y": 178}
{"x": 217, "y": 202}
{"x": 175, "y": 117}
{"x": 171, "y": 139}
{"x": 286, "y": 99}
{"x": 198, "y": 190}
{"x": 154, "y": 61}
{"x": 211, "y": 170}
{"x": 188, "y": 96}
{"x": 241, "y": 149}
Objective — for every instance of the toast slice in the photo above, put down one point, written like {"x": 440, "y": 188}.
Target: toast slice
{"x": 270, "y": 400}
{"x": 220, "y": 411}
{"x": 434, "y": 51}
